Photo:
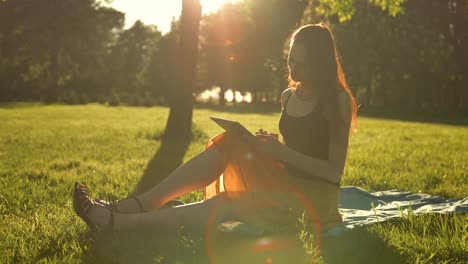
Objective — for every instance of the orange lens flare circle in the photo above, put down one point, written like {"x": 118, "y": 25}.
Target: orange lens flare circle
{"x": 265, "y": 245}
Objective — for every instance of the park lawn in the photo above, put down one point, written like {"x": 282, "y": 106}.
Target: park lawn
{"x": 45, "y": 149}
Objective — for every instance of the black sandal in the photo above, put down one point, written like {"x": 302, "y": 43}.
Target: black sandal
{"x": 82, "y": 204}
{"x": 113, "y": 205}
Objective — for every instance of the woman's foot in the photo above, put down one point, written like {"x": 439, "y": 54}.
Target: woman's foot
{"x": 97, "y": 215}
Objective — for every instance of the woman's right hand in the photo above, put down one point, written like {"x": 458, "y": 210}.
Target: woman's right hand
{"x": 263, "y": 133}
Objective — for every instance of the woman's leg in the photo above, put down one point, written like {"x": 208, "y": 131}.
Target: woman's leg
{"x": 195, "y": 174}
{"x": 192, "y": 217}
{"x": 258, "y": 209}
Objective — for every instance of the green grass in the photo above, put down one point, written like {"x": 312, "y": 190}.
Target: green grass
{"x": 45, "y": 149}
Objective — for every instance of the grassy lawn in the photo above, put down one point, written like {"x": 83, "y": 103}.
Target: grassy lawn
{"x": 118, "y": 150}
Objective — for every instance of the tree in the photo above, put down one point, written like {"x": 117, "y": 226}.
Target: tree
{"x": 131, "y": 57}
{"x": 179, "y": 123}
{"x": 160, "y": 74}
{"x": 51, "y": 46}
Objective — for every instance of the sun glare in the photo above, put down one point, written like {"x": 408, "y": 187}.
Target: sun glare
{"x": 160, "y": 12}
{"x": 210, "y": 6}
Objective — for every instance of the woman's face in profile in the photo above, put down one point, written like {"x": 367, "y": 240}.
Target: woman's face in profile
{"x": 297, "y": 62}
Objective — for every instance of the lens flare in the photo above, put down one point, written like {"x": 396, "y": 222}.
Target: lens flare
{"x": 259, "y": 249}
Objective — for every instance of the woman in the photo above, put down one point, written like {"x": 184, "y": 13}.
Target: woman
{"x": 262, "y": 178}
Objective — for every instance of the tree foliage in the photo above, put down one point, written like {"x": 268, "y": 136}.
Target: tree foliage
{"x": 407, "y": 61}
{"x": 50, "y": 45}
{"x": 396, "y": 53}
{"x": 345, "y": 9}
{"x": 131, "y": 56}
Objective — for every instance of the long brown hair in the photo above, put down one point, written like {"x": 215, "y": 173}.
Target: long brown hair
{"x": 325, "y": 67}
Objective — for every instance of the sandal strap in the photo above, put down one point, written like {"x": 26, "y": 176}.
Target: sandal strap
{"x": 114, "y": 205}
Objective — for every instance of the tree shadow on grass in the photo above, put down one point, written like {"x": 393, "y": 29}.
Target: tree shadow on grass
{"x": 146, "y": 246}
{"x": 358, "y": 245}
{"x": 168, "y": 158}
{"x": 442, "y": 117}
{"x": 14, "y": 105}
{"x": 432, "y": 117}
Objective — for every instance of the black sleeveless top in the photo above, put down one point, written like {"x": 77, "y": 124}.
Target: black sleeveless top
{"x": 309, "y": 134}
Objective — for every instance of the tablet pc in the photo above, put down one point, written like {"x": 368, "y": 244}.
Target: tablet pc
{"x": 231, "y": 125}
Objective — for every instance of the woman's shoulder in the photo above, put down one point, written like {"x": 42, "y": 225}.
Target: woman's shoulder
{"x": 286, "y": 94}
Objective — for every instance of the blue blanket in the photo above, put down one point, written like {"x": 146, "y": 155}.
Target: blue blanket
{"x": 360, "y": 207}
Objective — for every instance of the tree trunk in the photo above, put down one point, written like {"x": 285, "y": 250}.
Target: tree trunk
{"x": 179, "y": 123}
{"x": 222, "y": 99}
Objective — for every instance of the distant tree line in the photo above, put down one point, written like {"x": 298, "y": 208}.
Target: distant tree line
{"x": 409, "y": 54}
{"x": 77, "y": 51}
